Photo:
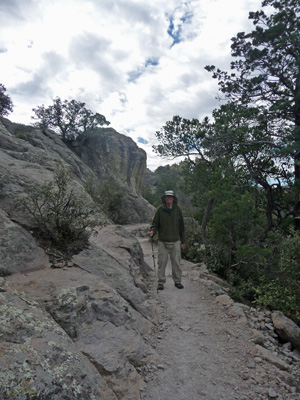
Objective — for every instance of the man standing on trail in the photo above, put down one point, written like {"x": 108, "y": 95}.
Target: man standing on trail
{"x": 169, "y": 225}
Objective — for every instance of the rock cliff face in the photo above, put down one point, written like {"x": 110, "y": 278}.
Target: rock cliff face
{"x": 72, "y": 330}
{"x": 113, "y": 156}
{"x": 119, "y": 163}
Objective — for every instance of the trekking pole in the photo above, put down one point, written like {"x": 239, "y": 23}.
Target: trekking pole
{"x": 153, "y": 256}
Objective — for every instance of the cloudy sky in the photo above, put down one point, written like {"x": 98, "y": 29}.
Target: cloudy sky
{"x": 137, "y": 62}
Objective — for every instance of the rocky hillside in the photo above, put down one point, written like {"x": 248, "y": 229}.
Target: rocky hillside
{"x": 105, "y": 157}
{"x": 72, "y": 329}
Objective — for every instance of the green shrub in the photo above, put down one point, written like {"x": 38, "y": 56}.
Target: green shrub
{"x": 279, "y": 288}
{"x": 107, "y": 195}
{"x": 194, "y": 249}
{"x": 282, "y": 295}
{"x": 241, "y": 290}
{"x": 23, "y": 135}
{"x": 59, "y": 214}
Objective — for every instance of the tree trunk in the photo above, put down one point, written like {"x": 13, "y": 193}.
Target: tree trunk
{"x": 297, "y": 155}
{"x": 204, "y": 224}
{"x": 269, "y": 211}
{"x": 297, "y": 196}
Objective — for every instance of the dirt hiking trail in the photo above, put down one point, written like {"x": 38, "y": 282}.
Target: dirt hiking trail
{"x": 205, "y": 345}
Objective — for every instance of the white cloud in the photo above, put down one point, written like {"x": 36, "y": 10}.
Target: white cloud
{"x": 137, "y": 63}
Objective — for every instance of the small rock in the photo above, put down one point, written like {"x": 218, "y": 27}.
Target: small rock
{"x": 224, "y": 300}
{"x": 296, "y": 353}
{"x": 269, "y": 326}
{"x": 267, "y": 355}
{"x": 272, "y": 394}
{"x": 250, "y": 363}
{"x": 287, "y": 346}
{"x": 258, "y": 337}
{"x": 58, "y": 265}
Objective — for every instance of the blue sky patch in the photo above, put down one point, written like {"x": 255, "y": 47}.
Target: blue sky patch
{"x": 175, "y": 30}
{"x": 134, "y": 75}
{"x": 141, "y": 140}
{"x": 151, "y": 62}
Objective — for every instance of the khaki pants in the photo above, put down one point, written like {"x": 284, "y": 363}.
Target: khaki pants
{"x": 164, "y": 249}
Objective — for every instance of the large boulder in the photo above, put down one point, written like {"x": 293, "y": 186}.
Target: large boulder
{"x": 286, "y": 329}
{"x": 18, "y": 249}
{"x": 116, "y": 257}
{"x": 38, "y": 359}
{"x": 135, "y": 209}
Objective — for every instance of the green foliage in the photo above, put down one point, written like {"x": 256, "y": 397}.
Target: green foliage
{"x": 232, "y": 220}
{"x": 264, "y": 77}
{"x": 182, "y": 137}
{"x": 194, "y": 250}
{"x": 243, "y": 291}
{"x": 60, "y": 215}
{"x": 68, "y": 118}
{"x": 107, "y": 195}
{"x": 6, "y": 105}
{"x": 150, "y": 195}
{"x": 280, "y": 295}
{"x": 279, "y": 288}
{"x": 166, "y": 178}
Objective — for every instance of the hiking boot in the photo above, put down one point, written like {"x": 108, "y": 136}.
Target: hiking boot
{"x": 160, "y": 286}
{"x": 179, "y": 285}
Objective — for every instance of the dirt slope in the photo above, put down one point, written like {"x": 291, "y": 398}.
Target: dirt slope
{"x": 206, "y": 348}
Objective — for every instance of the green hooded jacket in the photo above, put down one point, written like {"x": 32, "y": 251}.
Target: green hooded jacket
{"x": 168, "y": 223}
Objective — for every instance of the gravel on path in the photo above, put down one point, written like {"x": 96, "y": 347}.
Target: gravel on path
{"x": 204, "y": 351}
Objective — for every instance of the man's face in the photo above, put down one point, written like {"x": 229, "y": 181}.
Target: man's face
{"x": 169, "y": 201}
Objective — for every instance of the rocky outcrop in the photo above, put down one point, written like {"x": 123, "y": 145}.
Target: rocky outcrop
{"x": 113, "y": 157}
{"x": 119, "y": 163}
{"x": 30, "y": 156}
{"x": 81, "y": 329}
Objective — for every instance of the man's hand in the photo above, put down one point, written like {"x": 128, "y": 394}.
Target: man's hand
{"x": 150, "y": 233}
